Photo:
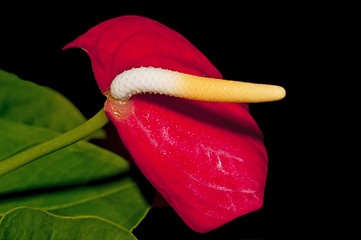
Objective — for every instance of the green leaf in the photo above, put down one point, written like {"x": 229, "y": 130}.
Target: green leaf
{"x": 124, "y": 206}
{"x": 79, "y": 163}
{"x": 28, "y": 223}
{"x": 79, "y": 180}
{"x": 25, "y": 102}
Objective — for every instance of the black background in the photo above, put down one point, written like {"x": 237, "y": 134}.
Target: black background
{"x": 311, "y": 189}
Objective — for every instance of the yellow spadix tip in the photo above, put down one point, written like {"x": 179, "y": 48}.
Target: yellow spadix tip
{"x": 219, "y": 90}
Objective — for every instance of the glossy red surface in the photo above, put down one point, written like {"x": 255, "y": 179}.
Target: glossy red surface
{"x": 207, "y": 160}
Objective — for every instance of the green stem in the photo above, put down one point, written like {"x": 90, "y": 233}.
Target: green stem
{"x": 61, "y": 141}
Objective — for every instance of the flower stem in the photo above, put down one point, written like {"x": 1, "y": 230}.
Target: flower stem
{"x": 61, "y": 141}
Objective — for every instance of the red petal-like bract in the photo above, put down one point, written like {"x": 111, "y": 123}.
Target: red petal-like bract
{"x": 207, "y": 159}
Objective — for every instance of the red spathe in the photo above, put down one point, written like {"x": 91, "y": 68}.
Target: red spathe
{"x": 207, "y": 160}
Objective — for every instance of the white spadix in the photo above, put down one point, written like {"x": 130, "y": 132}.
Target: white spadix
{"x": 157, "y": 80}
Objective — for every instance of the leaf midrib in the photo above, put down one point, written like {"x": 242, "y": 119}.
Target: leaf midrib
{"x": 104, "y": 194}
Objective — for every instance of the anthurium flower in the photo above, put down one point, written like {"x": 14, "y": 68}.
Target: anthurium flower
{"x": 207, "y": 159}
